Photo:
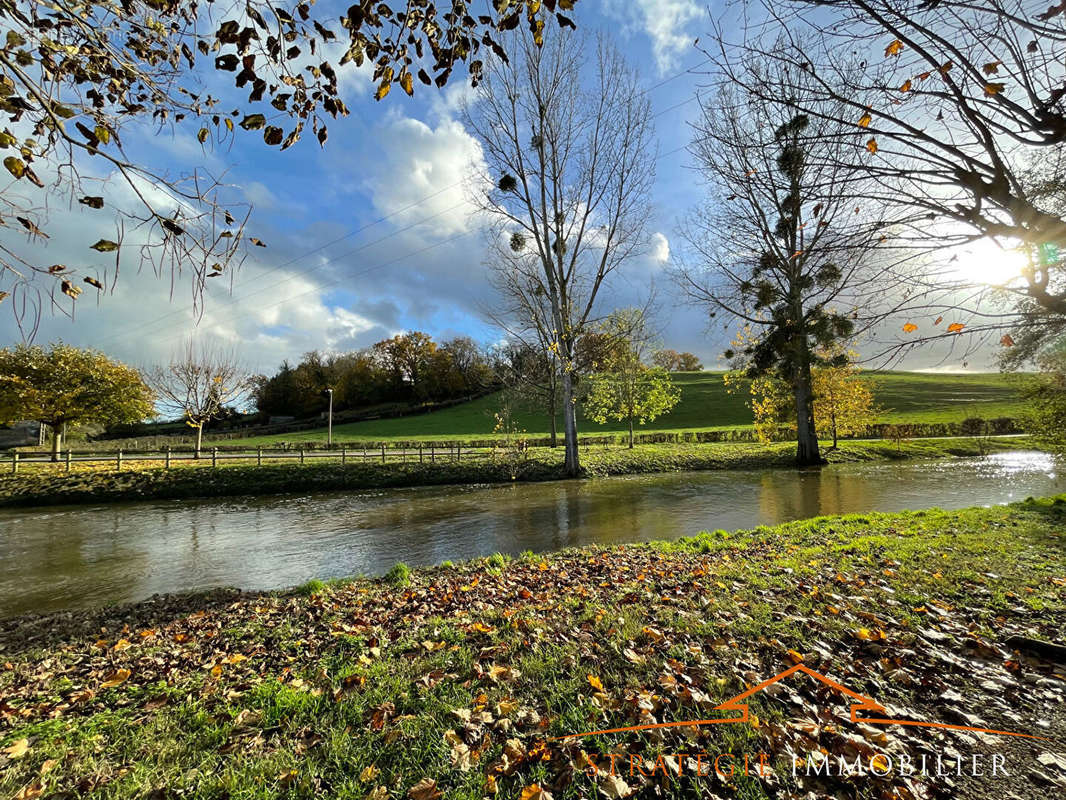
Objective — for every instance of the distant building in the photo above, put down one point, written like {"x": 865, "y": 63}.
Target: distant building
{"x": 20, "y": 434}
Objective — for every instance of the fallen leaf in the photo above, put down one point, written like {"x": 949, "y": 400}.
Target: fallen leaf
{"x": 534, "y": 792}
{"x": 425, "y": 789}
{"x": 116, "y": 678}
{"x": 18, "y": 749}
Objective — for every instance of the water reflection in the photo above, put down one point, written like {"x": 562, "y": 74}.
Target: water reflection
{"x": 82, "y": 556}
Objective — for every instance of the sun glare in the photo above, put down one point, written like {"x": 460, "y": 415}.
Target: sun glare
{"x": 991, "y": 262}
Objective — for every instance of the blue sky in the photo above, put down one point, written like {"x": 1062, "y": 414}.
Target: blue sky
{"x": 372, "y": 235}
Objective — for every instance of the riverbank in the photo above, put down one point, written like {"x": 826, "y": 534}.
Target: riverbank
{"x": 456, "y": 681}
{"x": 51, "y": 486}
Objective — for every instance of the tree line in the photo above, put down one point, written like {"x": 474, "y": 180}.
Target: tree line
{"x": 408, "y": 368}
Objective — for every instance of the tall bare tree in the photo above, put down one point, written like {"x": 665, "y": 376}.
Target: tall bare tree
{"x": 785, "y": 245}
{"x": 199, "y": 383}
{"x": 567, "y": 140}
{"x": 961, "y": 107}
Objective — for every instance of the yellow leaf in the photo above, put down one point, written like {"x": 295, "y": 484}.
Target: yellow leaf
{"x": 864, "y": 634}
{"x": 383, "y": 89}
{"x": 865, "y": 120}
{"x": 595, "y": 683}
{"x": 18, "y": 749}
{"x": 992, "y": 89}
{"x": 955, "y": 327}
{"x": 894, "y": 49}
{"x": 534, "y": 792}
{"x": 368, "y": 774}
{"x": 407, "y": 83}
{"x": 872, "y": 145}
{"x": 122, "y": 644}
{"x": 906, "y": 87}
{"x": 910, "y": 327}
{"x": 796, "y": 656}
{"x": 116, "y": 678}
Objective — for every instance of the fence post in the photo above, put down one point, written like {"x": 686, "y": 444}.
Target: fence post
{"x": 459, "y": 452}
{"x": 344, "y": 455}
{"x": 403, "y": 454}
{"x": 382, "y": 452}
{"x": 14, "y": 462}
{"x": 68, "y": 459}
{"x": 166, "y": 462}
{"x": 364, "y": 455}
{"x": 301, "y": 455}
{"x": 214, "y": 456}
{"x": 259, "y": 456}
{"x": 118, "y": 460}
{"x": 419, "y": 452}
{"x": 432, "y": 454}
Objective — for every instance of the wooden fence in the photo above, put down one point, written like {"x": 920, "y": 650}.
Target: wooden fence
{"x": 423, "y": 454}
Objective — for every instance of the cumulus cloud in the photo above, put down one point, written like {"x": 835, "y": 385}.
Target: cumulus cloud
{"x": 660, "y": 248}
{"x": 424, "y": 172}
{"x": 665, "y": 22}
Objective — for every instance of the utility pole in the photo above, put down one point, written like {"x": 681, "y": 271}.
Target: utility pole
{"x": 329, "y": 429}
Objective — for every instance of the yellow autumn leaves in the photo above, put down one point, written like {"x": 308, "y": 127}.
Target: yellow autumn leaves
{"x": 954, "y": 327}
{"x": 894, "y": 49}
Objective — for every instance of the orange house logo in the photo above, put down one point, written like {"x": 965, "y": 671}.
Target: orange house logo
{"x": 863, "y": 709}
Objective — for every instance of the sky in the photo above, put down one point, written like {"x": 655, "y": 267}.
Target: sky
{"x": 373, "y": 234}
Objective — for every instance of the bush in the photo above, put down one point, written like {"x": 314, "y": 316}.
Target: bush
{"x": 974, "y": 426}
{"x": 497, "y": 561}
{"x": 399, "y": 575}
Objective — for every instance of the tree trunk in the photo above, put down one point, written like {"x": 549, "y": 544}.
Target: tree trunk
{"x": 573, "y": 458}
{"x": 57, "y": 440}
{"x": 631, "y": 432}
{"x": 199, "y": 439}
{"x": 552, "y": 410}
{"x": 806, "y": 435}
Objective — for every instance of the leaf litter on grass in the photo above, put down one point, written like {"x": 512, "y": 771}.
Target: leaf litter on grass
{"x": 461, "y": 684}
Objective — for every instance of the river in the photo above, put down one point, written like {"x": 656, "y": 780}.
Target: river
{"x": 70, "y": 557}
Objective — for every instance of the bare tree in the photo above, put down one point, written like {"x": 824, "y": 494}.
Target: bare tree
{"x": 199, "y": 383}
{"x": 785, "y": 245}
{"x": 960, "y": 104}
{"x": 75, "y": 75}
{"x": 566, "y": 134}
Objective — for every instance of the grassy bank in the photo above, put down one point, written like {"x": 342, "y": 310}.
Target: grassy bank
{"x": 455, "y": 681}
{"x": 912, "y": 398}
{"x": 48, "y": 485}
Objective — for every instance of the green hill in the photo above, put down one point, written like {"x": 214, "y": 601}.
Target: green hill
{"x": 705, "y": 404}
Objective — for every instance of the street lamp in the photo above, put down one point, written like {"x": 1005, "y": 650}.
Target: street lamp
{"x": 329, "y": 433}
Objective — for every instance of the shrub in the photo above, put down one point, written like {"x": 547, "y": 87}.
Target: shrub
{"x": 497, "y": 560}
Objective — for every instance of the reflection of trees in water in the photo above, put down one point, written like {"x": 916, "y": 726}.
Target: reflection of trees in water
{"x": 813, "y": 492}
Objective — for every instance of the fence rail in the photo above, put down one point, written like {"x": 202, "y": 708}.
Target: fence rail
{"x": 383, "y": 454}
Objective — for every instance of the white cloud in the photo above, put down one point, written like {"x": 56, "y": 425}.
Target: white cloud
{"x": 664, "y": 21}
{"x": 660, "y": 248}
{"x": 425, "y": 173}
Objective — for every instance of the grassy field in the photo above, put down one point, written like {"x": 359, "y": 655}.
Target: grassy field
{"x": 458, "y": 681}
{"x": 705, "y": 405}
{"x": 50, "y": 484}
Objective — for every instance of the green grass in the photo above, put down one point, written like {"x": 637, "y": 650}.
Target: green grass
{"x": 460, "y": 679}
{"x": 911, "y": 397}
{"x": 50, "y": 485}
